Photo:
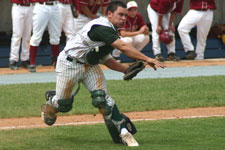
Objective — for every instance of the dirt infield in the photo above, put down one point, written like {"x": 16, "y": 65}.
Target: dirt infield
{"x": 36, "y": 122}
{"x": 183, "y": 63}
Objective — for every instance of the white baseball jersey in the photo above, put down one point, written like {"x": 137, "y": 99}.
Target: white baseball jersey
{"x": 82, "y": 43}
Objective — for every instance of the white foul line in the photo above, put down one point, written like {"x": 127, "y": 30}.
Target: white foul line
{"x": 99, "y": 122}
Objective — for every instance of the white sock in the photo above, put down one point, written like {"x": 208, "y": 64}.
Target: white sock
{"x": 54, "y": 102}
{"x": 123, "y": 131}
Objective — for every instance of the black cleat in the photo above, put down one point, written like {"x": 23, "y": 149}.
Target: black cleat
{"x": 190, "y": 55}
{"x": 25, "y": 64}
{"x": 13, "y": 65}
{"x": 31, "y": 68}
{"x": 172, "y": 57}
{"x": 159, "y": 57}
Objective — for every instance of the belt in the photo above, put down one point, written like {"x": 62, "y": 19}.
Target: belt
{"x": 27, "y": 5}
{"x": 71, "y": 60}
{"x": 203, "y": 9}
{"x": 48, "y": 3}
{"x": 65, "y": 3}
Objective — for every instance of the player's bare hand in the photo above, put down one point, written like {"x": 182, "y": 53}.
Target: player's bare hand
{"x": 142, "y": 29}
{"x": 171, "y": 27}
{"x": 155, "y": 64}
{"x": 146, "y": 32}
{"x": 159, "y": 29}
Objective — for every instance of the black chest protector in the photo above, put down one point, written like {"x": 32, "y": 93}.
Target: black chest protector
{"x": 93, "y": 57}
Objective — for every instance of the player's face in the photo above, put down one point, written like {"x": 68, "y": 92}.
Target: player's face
{"x": 118, "y": 17}
{"x": 132, "y": 12}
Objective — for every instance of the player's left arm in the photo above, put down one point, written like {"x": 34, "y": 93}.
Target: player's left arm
{"x": 171, "y": 26}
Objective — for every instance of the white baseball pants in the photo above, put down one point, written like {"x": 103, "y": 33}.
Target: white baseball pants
{"x": 203, "y": 21}
{"x": 69, "y": 73}
{"x": 80, "y": 21}
{"x": 46, "y": 16}
{"x": 153, "y": 17}
{"x": 66, "y": 20}
{"x": 138, "y": 41}
{"x": 22, "y": 26}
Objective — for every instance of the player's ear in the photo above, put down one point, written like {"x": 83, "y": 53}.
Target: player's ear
{"x": 109, "y": 14}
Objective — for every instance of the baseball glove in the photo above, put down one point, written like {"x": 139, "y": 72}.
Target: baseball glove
{"x": 133, "y": 70}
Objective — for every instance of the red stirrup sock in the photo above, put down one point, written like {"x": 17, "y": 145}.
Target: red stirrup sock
{"x": 55, "y": 53}
{"x": 33, "y": 54}
{"x": 55, "y": 50}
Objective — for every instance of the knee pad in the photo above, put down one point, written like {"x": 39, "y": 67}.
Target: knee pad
{"x": 99, "y": 101}
{"x": 65, "y": 105}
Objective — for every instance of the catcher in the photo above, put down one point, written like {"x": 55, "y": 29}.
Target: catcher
{"x": 79, "y": 63}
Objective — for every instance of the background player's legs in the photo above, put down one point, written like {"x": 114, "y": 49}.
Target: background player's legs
{"x": 165, "y": 25}
{"x": 184, "y": 28}
{"x": 153, "y": 17}
{"x": 25, "y": 51}
{"x": 203, "y": 28}
{"x": 116, "y": 53}
{"x": 140, "y": 41}
{"x": 18, "y": 24}
{"x": 41, "y": 17}
{"x": 79, "y": 22}
{"x": 66, "y": 20}
{"x": 54, "y": 32}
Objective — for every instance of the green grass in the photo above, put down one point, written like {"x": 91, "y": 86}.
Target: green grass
{"x": 23, "y": 100}
{"x": 182, "y": 134}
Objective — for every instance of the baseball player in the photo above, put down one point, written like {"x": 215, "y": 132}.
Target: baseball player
{"x": 135, "y": 31}
{"x": 66, "y": 17}
{"x": 88, "y": 11}
{"x": 46, "y": 14}
{"x": 161, "y": 14}
{"x": 78, "y": 63}
{"x": 22, "y": 26}
{"x": 200, "y": 15}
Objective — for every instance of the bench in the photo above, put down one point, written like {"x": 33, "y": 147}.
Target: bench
{"x": 214, "y": 49}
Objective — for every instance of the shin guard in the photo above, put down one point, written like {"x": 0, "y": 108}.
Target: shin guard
{"x": 114, "y": 123}
{"x": 113, "y": 131}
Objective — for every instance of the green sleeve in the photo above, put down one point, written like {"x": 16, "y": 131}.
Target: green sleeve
{"x": 103, "y": 33}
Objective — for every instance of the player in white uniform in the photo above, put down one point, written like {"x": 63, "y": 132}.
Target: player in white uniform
{"x": 161, "y": 14}
{"x": 200, "y": 15}
{"x": 46, "y": 14}
{"x": 22, "y": 26}
{"x": 78, "y": 62}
